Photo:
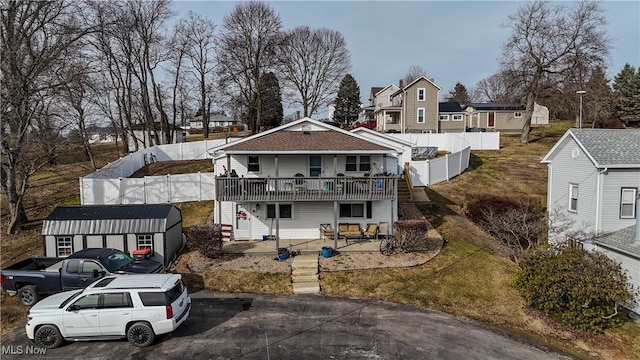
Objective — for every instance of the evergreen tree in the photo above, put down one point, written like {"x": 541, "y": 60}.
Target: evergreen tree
{"x": 271, "y": 104}
{"x": 598, "y": 101}
{"x": 348, "y": 101}
{"x": 459, "y": 94}
{"x": 627, "y": 92}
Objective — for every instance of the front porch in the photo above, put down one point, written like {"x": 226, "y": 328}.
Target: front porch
{"x": 298, "y": 246}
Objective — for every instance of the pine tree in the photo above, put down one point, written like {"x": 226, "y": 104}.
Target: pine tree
{"x": 598, "y": 101}
{"x": 271, "y": 104}
{"x": 348, "y": 101}
{"x": 459, "y": 94}
{"x": 627, "y": 91}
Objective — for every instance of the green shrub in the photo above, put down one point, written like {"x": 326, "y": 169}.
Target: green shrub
{"x": 411, "y": 235}
{"x": 207, "y": 239}
{"x": 577, "y": 287}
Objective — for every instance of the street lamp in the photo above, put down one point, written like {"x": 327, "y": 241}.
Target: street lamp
{"x": 581, "y": 92}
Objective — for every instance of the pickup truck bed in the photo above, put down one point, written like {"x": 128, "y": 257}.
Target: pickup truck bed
{"x": 37, "y": 263}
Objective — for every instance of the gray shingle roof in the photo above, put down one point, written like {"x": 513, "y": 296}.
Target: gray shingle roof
{"x": 609, "y": 147}
{"x": 621, "y": 240}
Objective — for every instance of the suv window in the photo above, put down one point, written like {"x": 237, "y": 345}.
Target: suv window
{"x": 116, "y": 300}
{"x": 162, "y": 299}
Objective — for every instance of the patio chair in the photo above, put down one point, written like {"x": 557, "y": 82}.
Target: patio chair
{"x": 370, "y": 232}
{"x": 326, "y": 231}
{"x": 383, "y": 230}
{"x": 299, "y": 182}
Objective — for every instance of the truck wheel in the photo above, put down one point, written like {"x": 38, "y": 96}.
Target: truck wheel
{"x": 28, "y": 295}
{"x": 140, "y": 334}
{"x": 48, "y": 336}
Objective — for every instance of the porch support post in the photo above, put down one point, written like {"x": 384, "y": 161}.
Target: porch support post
{"x": 335, "y": 164}
{"x": 277, "y": 227}
{"x": 384, "y": 163}
{"x": 228, "y": 164}
{"x": 335, "y": 224}
{"x": 277, "y": 188}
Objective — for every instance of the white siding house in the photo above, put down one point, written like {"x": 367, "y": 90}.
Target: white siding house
{"x": 593, "y": 180}
{"x": 293, "y": 178}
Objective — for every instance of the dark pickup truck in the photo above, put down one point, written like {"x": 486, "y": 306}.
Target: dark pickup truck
{"x": 41, "y": 276}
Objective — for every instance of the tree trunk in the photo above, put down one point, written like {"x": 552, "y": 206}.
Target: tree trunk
{"x": 528, "y": 114}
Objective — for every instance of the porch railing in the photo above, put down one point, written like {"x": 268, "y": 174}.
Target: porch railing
{"x": 306, "y": 188}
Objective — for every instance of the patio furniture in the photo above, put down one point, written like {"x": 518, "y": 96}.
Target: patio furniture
{"x": 326, "y": 232}
{"x": 370, "y": 232}
{"x": 299, "y": 182}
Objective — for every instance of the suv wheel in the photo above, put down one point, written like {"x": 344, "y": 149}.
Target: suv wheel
{"x": 48, "y": 336}
{"x": 140, "y": 334}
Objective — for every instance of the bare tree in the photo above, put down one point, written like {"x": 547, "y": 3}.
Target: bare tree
{"x": 197, "y": 34}
{"x": 499, "y": 88}
{"x": 414, "y": 72}
{"x": 245, "y": 50}
{"x": 313, "y": 62}
{"x": 36, "y": 39}
{"x": 551, "y": 41}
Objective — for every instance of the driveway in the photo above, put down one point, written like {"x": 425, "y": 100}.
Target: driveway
{"x": 248, "y": 326}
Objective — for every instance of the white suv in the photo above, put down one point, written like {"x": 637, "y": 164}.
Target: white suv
{"x": 137, "y": 307}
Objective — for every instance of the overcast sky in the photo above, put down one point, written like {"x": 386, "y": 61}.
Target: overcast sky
{"x": 452, "y": 40}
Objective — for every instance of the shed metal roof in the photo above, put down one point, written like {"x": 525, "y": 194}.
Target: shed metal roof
{"x": 107, "y": 219}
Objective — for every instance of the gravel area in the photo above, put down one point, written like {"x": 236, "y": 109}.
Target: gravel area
{"x": 196, "y": 262}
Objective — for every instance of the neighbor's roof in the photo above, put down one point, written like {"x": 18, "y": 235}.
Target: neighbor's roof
{"x": 107, "y": 219}
{"x": 621, "y": 241}
{"x": 613, "y": 148}
{"x": 449, "y": 106}
{"x": 415, "y": 81}
{"x": 495, "y": 106}
{"x": 375, "y": 90}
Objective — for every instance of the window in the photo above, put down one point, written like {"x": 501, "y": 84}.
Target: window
{"x": 358, "y": 163}
{"x": 444, "y": 117}
{"x": 89, "y": 266}
{"x": 421, "y": 115}
{"x": 351, "y": 210}
{"x": 517, "y": 114}
{"x": 253, "y": 163}
{"x": 628, "y": 203}
{"x": 87, "y": 302}
{"x": 315, "y": 165}
{"x": 421, "y": 94}
{"x": 73, "y": 266}
{"x": 145, "y": 241}
{"x": 573, "y": 197}
{"x": 63, "y": 246}
{"x": 286, "y": 211}
{"x": 116, "y": 300}
{"x": 457, "y": 117}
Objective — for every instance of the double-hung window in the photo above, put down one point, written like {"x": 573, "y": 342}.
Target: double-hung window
{"x": 253, "y": 163}
{"x": 420, "y": 115}
{"x": 358, "y": 163}
{"x": 573, "y": 197}
{"x": 628, "y": 203}
{"x": 421, "y": 94}
{"x": 352, "y": 210}
{"x": 286, "y": 211}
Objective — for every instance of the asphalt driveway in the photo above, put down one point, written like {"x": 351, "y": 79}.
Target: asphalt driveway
{"x": 232, "y": 326}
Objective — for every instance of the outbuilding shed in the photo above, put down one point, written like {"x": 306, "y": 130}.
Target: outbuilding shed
{"x": 158, "y": 227}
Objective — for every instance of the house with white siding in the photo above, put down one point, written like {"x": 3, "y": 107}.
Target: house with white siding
{"x": 286, "y": 181}
{"x": 593, "y": 181}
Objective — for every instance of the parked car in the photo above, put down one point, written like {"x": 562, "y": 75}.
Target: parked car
{"x": 136, "y": 307}
{"x": 367, "y": 123}
{"x": 40, "y": 276}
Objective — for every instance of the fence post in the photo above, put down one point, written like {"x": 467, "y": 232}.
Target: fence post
{"x": 168, "y": 188}
{"x": 446, "y": 165}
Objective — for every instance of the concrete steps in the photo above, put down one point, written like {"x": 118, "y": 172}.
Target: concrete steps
{"x": 304, "y": 274}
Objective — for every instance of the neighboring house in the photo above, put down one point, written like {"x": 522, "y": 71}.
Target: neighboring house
{"x": 418, "y": 106}
{"x": 451, "y": 117}
{"x": 503, "y": 117}
{"x": 146, "y": 138}
{"x": 70, "y": 228}
{"x": 293, "y": 178}
{"x": 99, "y": 134}
{"x": 593, "y": 181}
{"x": 367, "y": 112}
{"x": 387, "y": 115}
{"x": 215, "y": 120}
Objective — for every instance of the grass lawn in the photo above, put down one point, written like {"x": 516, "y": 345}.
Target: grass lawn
{"x": 469, "y": 278}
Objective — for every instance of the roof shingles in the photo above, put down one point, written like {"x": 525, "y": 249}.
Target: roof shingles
{"x": 610, "y": 146}
{"x": 298, "y": 141}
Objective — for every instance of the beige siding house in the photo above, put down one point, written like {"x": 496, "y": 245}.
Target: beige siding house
{"x": 418, "y": 103}
{"x": 386, "y": 115}
{"x": 503, "y": 117}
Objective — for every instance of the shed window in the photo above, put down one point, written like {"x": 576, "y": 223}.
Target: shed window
{"x": 64, "y": 246}
{"x": 352, "y": 210}
{"x": 253, "y": 163}
{"x": 145, "y": 241}
{"x": 286, "y": 211}
{"x": 573, "y": 197}
{"x": 628, "y": 203}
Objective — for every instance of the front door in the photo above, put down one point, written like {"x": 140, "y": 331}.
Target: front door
{"x": 243, "y": 222}
{"x": 491, "y": 122}
{"x": 315, "y": 170}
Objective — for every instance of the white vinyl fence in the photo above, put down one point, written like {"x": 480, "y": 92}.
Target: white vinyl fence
{"x": 112, "y": 185}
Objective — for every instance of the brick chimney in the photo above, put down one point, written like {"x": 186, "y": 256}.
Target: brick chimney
{"x": 401, "y": 84}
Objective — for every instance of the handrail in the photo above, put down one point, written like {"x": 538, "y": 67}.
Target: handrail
{"x": 407, "y": 179}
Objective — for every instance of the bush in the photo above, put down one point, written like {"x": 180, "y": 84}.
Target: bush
{"x": 577, "y": 287}
{"x": 411, "y": 235}
{"x": 207, "y": 239}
